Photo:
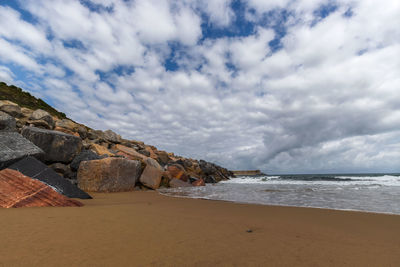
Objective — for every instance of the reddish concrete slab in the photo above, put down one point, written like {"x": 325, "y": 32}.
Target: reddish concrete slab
{"x": 18, "y": 190}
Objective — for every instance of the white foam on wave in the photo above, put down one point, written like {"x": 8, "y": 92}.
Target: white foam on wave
{"x": 384, "y": 180}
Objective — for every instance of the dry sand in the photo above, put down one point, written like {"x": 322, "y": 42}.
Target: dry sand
{"x": 147, "y": 229}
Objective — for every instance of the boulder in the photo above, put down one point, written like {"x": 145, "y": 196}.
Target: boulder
{"x": 129, "y": 153}
{"x": 162, "y": 157}
{"x": 64, "y": 130}
{"x": 85, "y": 155}
{"x": 144, "y": 152}
{"x": 59, "y": 168}
{"x": 33, "y": 168}
{"x": 199, "y": 182}
{"x": 95, "y": 135}
{"x": 14, "y": 147}
{"x": 178, "y": 172}
{"x": 207, "y": 167}
{"x": 40, "y": 124}
{"x": 152, "y": 174}
{"x": 7, "y": 122}
{"x": 108, "y": 175}
{"x": 10, "y": 108}
{"x": 150, "y": 150}
{"x": 40, "y": 114}
{"x": 82, "y": 131}
{"x": 210, "y": 179}
{"x": 67, "y": 124}
{"x": 26, "y": 112}
{"x": 178, "y": 183}
{"x": 58, "y": 146}
{"x": 18, "y": 190}
{"x": 111, "y": 137}
{"x": 101, "y": 150}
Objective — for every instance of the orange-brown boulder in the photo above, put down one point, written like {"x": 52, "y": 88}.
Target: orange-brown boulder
{"x": 152, "y": 174}
{"x": 108, "y": 175}
{"x": 199, "y": 182}
{"x": 64, "y": 130}
{"x": 18, "y": 190}
{"x": 151, "y": 151}
{"x": 129, "y": 153}
{"x": 177, "y": 171}
{"x": 100, "y": 150}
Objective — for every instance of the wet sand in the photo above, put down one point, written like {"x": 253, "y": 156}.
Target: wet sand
{"x": 147, "y": 229}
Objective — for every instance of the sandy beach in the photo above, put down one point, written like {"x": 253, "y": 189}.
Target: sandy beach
{"x": 148, "y": 229}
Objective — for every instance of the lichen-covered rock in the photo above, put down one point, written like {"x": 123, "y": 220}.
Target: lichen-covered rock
{"x": 14, "y": 147}
{"x": 18, "y": 190}
{"x": 108, "y": 175}
{"x": 7, "y": 122}
{"x": 58, "y": 146}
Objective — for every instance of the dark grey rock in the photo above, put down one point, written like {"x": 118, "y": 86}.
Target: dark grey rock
{"x": 83, "y": 156}
{"x": 58, "y": 146}
{"x": 210, "y": 180}
{"x": 144, "y": 152}
{"x": 35, "y": 169}
{"x": 207, "y": 167}
{"x": 14, "y": 147}
{"x": 7, "y": 123}
{"x": 59, "y": 168}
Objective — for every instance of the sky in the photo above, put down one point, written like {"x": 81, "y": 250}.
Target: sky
{"x": 285, "y": 86}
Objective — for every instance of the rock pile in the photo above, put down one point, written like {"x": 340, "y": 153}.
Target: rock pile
{"x": 94, "y": 160}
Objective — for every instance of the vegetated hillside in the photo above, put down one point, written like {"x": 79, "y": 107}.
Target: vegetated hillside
{"x": 25, "y": 99}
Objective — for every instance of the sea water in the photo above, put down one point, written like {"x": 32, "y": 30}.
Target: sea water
{"x": 378, "y": 193}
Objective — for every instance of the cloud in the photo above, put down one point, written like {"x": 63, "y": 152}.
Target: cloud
{"x": 304, "y": 86}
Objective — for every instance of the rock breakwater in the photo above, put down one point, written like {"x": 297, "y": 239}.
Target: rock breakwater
{"x": 93, "y": 160}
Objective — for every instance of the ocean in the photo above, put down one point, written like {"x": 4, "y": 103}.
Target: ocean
{"x": 379, "y": 193}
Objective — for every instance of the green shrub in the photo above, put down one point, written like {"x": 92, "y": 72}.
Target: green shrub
{"x": 25, "y": 99}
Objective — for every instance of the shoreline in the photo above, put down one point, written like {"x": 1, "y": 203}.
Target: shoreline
{"x": 274, "y": 205}
{"x": 149, "y": 229}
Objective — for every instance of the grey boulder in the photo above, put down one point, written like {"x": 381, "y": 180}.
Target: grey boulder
{"x": 7, "y": 123}
{"x": 58, "y": 146}
{"x": 14, "y": 147}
